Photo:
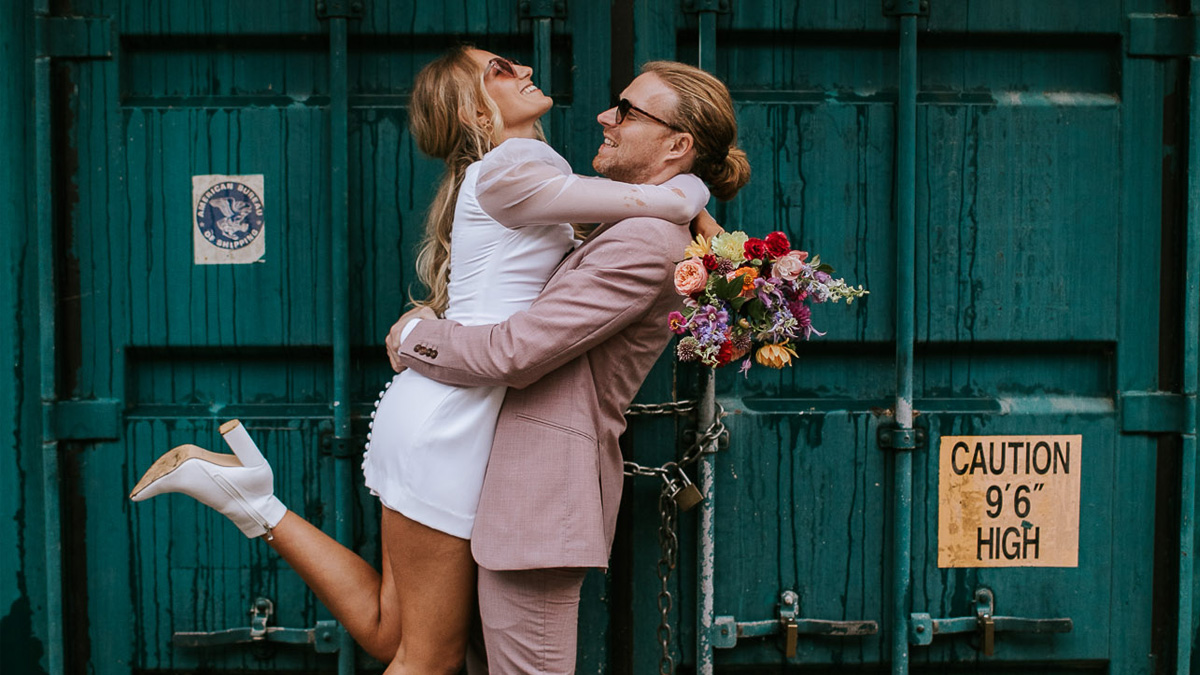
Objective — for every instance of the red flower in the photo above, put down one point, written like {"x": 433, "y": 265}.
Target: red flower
{"x": 755, "y": 248}
{"x": 778, "y": 244}
{"x": 710, "y": 262}
{"x": 725, "y": 354}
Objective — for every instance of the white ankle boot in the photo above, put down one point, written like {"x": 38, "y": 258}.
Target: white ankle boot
{"x": 240, "y": 486}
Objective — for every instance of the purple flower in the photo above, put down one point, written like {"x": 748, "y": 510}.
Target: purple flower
{"x": 804, "y": 322}
{"x": 768, "y": 291}
{"x": 709, "y": 324}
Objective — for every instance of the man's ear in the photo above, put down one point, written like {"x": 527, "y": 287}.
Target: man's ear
{"x": 681, "y": 145}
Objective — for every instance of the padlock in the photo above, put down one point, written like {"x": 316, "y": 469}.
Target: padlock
{"x": 987, "y": 625}
{"x": 682, "y": 490}
{"x": 790, "y": 634}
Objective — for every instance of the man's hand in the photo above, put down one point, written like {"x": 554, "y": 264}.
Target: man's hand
{"x": 704, "y": 225}
{"x": 393, "y": 337}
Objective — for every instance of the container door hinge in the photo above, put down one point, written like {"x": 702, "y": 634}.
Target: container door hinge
{"x": 542, "y": 9}
{"x": 985, "y": 624}
{"x": 76, "y": 37}
{"x": 1161, "y": 35}
{"x": 906, "y": 7}
{"x": 339, "y": 447}
{"x": 323, "y": 638}
{"x": 1156, "y": 412}
{"x": 726, "y": 631}
{"x": 340, "y": 9}
{"x": 891, "y": 437}
{"x": 95, "y": 420}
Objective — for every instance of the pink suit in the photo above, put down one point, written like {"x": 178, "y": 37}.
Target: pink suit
{"x": 574, "y": 360}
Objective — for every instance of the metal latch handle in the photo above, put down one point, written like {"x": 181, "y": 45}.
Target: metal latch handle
{"x": 323, "y": 638}
{"x": 726, "y": 630}
{"x": 922, "y": 627}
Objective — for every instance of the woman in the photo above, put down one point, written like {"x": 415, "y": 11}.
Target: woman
{"x": 429, "y": 442}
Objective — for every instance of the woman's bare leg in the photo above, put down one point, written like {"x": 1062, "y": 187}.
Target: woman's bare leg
{"x": 435, "y": 584}
{"x": 359, "y": 597}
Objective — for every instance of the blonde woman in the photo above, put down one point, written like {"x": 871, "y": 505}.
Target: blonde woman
{"x": 483, "y": 259}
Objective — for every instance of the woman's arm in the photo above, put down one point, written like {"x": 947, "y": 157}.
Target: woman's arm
{"x": 531, "y": 188}
{"x": 614, "y": 286}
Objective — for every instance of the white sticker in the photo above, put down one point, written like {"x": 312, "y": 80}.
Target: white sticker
{"x": 227, "y": 219}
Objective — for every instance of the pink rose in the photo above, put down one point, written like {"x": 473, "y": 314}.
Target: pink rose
{"x": 789, "y": 266}
{"x": 690, "y": 276}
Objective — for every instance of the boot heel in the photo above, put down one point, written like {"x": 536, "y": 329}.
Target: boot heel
{"x": 238, "y": 440}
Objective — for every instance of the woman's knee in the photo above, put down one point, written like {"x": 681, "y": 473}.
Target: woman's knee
{"x": 382, "y": 648}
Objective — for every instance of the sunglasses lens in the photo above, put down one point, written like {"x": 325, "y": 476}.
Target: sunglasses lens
{"x": 623, "y": 109}
{"x": 503, "y": 67}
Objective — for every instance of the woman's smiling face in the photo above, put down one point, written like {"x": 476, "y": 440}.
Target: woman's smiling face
{"x": 520, "y": 103}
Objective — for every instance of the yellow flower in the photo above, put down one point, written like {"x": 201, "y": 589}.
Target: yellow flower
{"x": 730, "y": 245}
{"x": 698, "y": 248}
{"x": 774, "y": 356}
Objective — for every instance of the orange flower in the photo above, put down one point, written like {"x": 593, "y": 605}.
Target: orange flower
{"x": 774, "y": 356}
{"x": 748, "y": 275}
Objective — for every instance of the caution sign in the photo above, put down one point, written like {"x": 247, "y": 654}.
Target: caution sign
{"x": 1009, "y": 501}
{"x": 227, "y": 219}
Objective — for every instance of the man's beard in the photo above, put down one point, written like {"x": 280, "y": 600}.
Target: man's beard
{"x": 614, "y": 169}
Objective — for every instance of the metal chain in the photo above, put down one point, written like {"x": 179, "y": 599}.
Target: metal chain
{"x": 705, "y": 444}
{"x": 660, "y": 408}
{"x": 668, "y": 510}
{"x": 666, "y": 564}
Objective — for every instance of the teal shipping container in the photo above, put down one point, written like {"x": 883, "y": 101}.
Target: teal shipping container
{"x": 986, "y": 465}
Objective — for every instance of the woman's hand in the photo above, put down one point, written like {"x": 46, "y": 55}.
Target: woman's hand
{"x": 393, "y": 337}
{"x": 705, "y": 226}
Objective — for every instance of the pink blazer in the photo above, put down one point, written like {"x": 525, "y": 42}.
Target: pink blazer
{"x": 574, "y": 361}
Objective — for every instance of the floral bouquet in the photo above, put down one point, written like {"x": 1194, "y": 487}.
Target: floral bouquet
{"x": 745, "y": 294}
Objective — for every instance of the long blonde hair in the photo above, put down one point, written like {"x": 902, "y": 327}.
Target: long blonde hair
{"x": 705, "y": 110}
{"x": 445, "y": 121}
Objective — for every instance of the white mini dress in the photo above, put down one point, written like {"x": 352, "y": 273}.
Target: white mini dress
{"x": 429, "y": 442}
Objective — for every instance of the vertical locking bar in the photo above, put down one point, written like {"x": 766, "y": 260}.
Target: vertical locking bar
{"x": 47, "y": 331}
{"x": 707, "y": 47}
{"x": 339, "y": 215}
{"x": 707, "y": 414}
{"x": 541, "y": 61}
{"x": 707, "y": 57}
{"x": 1191, "y": 375}
{"x": 542, "y": 13}
{"x": 906, "y": 174}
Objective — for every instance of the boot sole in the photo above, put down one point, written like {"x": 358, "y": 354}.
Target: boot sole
{"x": 175, "y": 457}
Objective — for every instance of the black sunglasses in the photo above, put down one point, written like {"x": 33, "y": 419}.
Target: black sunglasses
{"x": 505, "y": 67}
{"x": 624, "y": 106}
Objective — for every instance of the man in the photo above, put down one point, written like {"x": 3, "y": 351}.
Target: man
{"x": 574, "y": 361}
